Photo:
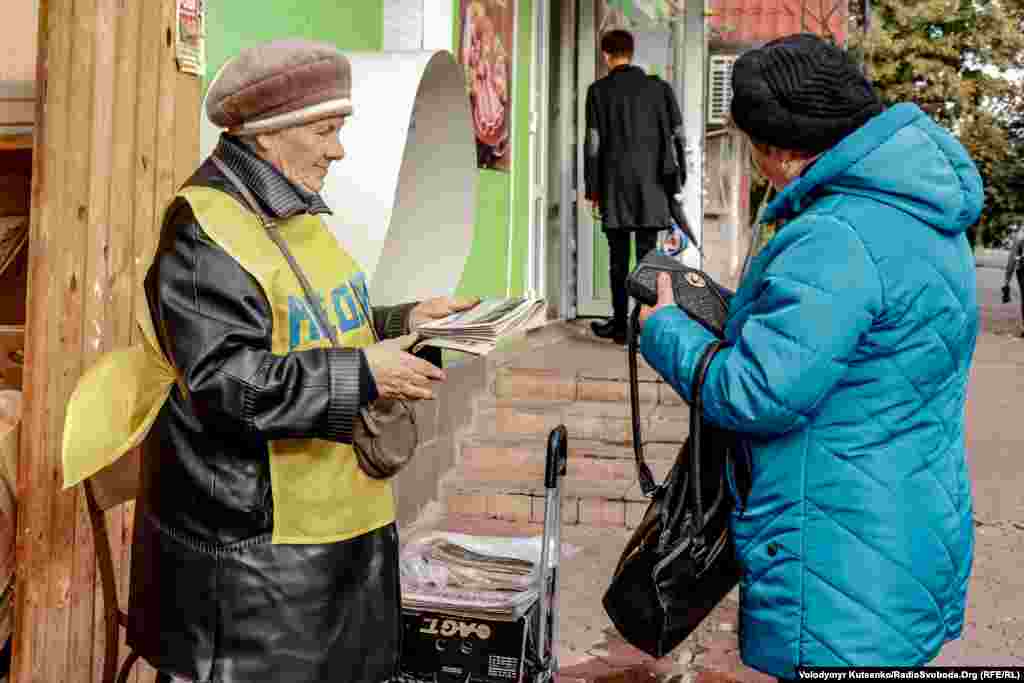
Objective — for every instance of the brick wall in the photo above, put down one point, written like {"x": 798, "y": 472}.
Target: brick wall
{"x": 440, "y": 422}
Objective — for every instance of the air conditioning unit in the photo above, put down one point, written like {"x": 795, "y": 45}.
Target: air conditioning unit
{"x": 719, "y": 88}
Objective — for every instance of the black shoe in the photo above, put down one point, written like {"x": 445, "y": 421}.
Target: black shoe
{"x": 610, "y": 330}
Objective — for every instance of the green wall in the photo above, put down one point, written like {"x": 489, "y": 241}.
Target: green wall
{"x": 486, "y": 272}
{"x": 232, "y": 25}
{"x": 358, "y": 25}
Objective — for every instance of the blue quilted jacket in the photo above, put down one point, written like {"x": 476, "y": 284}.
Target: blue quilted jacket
{"x": 849, "y": 346}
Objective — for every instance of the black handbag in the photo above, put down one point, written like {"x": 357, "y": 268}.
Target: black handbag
{"x": 680, "y": 561}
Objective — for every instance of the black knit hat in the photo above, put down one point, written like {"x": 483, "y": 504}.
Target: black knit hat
{"x": 800, "y": 93}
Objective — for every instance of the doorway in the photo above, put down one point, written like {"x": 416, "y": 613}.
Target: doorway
{"x": 583, "y": 263}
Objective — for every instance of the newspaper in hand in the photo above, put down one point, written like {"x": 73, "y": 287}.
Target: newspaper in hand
{"x": 479, "y": 329}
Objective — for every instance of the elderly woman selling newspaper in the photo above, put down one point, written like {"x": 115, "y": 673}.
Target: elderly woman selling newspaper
{"x": 848, "y": 349}
{"x": 263, "y": 553}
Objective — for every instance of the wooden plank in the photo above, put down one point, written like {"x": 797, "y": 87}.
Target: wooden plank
{"x": 166, "y": 109}
{"x": 100, "y": 181}
{"x": 67, "y": 283}
{"x": 122, "y": 256}
{"x": 123, "y": 195}
{"x": 88, "y": 627}
{"x": 186, "y": 127}
{"x": 35, "y": 471}
{"x": 153, "y": 106}
{"x": 147, "y": 94}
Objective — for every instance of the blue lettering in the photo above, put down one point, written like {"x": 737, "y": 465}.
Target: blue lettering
{"x": 361, "y": 290}
{"x": 298, "y": 314}
{"x": 348, "y": 321}
{"x": 302, "y": 327}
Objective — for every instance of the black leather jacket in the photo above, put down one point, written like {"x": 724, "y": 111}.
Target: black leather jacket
{"x": 212, "y": 600}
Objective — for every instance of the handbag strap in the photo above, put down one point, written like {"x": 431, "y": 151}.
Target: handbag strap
{"x": 270, "y": 225}
{"x": 696, "y": 422}
{"x": 673, "y": 514}
{"x": 643, "y": 471}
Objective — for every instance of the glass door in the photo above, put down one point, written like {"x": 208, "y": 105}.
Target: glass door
{"x": 654, "y": 54}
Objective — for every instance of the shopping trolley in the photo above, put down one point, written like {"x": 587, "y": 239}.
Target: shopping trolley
{"x": 451, "y": 648}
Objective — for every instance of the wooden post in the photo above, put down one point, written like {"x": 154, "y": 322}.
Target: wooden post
{"x": 117, "y": 130}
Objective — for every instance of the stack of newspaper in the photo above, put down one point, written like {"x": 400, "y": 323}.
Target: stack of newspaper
{"x": 471, "y": 576}
{"x": 479, "y": 329}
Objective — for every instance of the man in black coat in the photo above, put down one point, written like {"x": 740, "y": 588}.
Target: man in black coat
{"x": 634, "y": 164}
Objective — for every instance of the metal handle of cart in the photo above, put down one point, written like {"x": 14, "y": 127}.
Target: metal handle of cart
{"x": 554, "y": 472}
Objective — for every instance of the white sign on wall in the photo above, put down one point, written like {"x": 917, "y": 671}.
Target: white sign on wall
{"x": 438, "y": 25}
{"x": 403, "y": 25}
{"x": 418, "y": 25}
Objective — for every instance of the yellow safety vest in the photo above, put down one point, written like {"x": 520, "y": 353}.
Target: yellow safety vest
{"x": 320, "y": 494}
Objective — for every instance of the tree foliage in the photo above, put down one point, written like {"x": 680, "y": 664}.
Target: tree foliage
{"x": 952, "y": 58}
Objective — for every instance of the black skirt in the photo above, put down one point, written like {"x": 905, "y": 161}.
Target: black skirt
{"x": 254, "y": 612}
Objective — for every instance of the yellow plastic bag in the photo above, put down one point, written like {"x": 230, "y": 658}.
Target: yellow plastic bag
{"x": 114, "y": 406}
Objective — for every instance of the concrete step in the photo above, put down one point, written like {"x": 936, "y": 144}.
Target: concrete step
{"x": 602, "y": 421}
{"x": 592, "y": 465}
{"x": 552, "y": 384}
{"x": 583, "y": 357}
{"x": 523, "y": 502}
{"x": 504, "y": 479}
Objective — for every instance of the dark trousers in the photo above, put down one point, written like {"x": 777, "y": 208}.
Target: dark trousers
{"x": 618, "y": 265}
{"x": 1020, "y": 284}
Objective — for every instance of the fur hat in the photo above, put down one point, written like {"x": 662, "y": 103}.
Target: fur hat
{"x": 280, "y": 84}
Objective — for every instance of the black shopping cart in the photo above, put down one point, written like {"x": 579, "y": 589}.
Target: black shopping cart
{"x": 453, "y": 647}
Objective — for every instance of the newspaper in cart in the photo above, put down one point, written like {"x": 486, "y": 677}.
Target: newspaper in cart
{"x": 473, "y": 575}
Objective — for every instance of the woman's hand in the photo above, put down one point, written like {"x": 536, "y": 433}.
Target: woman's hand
{"x": 438, "y": 307}
{"x": 665, "y": 298}
{"x": 399, "y": 374}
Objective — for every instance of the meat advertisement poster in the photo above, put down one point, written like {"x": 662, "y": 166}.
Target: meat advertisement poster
{"x": 487, "y": 53}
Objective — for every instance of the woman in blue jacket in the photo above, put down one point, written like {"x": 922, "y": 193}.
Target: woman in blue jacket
{"x": 849, "y": 345}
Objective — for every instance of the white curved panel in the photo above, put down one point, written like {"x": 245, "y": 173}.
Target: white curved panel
{"x": 404, "y": 196}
